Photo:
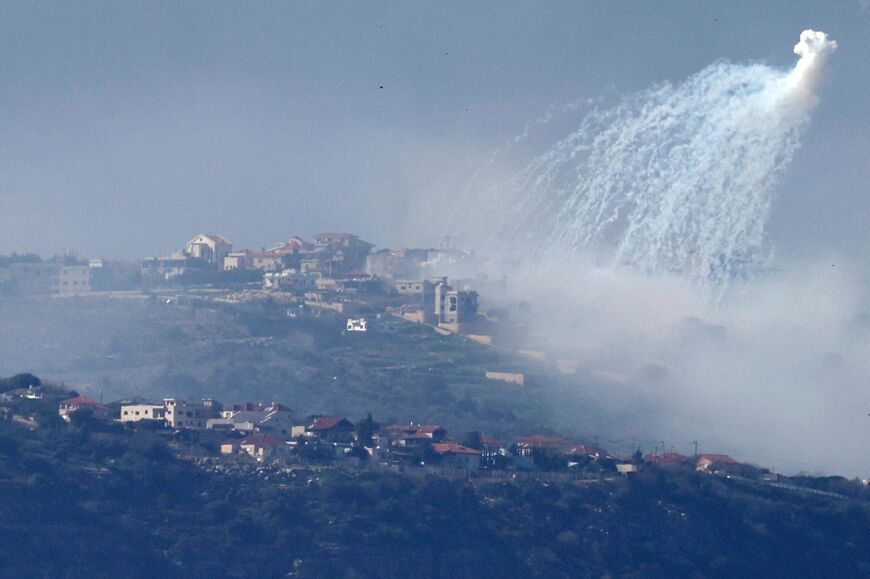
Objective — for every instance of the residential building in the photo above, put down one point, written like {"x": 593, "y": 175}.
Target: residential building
{"x": 181, "y": 414}
{"x": 285, "y": 255}
{"x": 169, "y": 267}
{"x": 257, "y": 446}
{"x": 139, "y": 412}
{"x": 715, "y": 462}
{"x": 453, "y": 307}
{"x": 455, "y": 455}
{"x": 667, "y": 459}
{"x": 327, "y": 429}
{"x": 289, "y": 280}
{"x": 396, "y": 263}
{"x": 72, "y": 280}
{"x": 242, "y": 259}
{"x": 526, "y": 445}
{"x": 210, "y": 249}
{"x": 336, "y": 254}
{"x": 66, "y": 408}
{"x": 275, "y": 419}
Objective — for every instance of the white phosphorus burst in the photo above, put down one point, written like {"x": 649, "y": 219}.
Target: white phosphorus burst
{"x": 676, "y": 178}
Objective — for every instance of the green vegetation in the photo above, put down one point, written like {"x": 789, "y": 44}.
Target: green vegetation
{"x": 88, "y": 499}
{"x": 398, "y": 371}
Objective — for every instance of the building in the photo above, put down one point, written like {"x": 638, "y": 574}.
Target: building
{"x": 169, "y": 267}
{"x": 526, "y": 445}
{"x": 242, "y": 259}
{"x": 72, "y": 280}
{"x": 209, "y": 249}
{"x": 327, "y": 429}
{"x": 715, "y": 462}
{"x": 452, "y": 454}
{"x": 289, "y": 280}
{"x": 139, "y": 412}
{"x": 337, "y": 254}
{"x": 667, "y": 459}
{"x": 357, "y": 325}
{"x": 181, "y": 414}
{"x": 257, "y": 446}
{"x": 453, "y": 307}
{"x": 274, "y": 419}
{"x": 396, "y": 263}
{"x": 66, "y": 408}
{"x": 43, "y": 278}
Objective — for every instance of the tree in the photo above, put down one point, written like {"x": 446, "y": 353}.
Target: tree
{"x": 24, "y": 380}
{"x": 365, "y": 428}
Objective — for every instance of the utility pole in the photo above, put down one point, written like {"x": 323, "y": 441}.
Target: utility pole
{"x": 664, "y": 450}
{"x": 695, "y": 442}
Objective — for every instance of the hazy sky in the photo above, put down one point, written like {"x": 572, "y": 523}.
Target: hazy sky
{"x": 126, "y": 128}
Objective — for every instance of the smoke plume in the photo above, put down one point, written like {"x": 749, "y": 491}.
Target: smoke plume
{"x": 677, "y": 178}
{"x": 629, "y": 237}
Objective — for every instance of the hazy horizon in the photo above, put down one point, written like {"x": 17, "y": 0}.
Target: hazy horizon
{"x": 128, "y": 129}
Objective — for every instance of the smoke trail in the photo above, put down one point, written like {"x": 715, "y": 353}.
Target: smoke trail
{"x": 676, "y": 178}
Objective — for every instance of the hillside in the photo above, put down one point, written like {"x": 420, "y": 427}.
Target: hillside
{"x": 88, "y": 499}
{"x": 124, "y": 348}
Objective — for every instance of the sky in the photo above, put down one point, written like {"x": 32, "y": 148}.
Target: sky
{"x": 128, "y": 127}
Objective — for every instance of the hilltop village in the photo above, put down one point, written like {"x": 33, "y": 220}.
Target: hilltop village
{"x": 336, "y": 273}
{"x": 269, "y": 436}
{"x": 320, "y": 409}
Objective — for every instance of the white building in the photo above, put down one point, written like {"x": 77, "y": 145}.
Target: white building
{"x": 181, "y": 414}
{"x": 137, "y": 412}
{"x": 72, "y": 280}
{"x": 211, "y": 249}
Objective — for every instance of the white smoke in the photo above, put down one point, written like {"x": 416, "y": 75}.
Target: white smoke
{"x": 677, "y": 178}
{"x": 610, "y": 232}
{"x": 814, "y": 49}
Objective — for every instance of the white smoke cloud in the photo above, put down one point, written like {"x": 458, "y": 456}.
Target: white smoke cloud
{"x": 678, "y": 178}
{"x": 673, "y": 186}
{"x": 814, "y": 49}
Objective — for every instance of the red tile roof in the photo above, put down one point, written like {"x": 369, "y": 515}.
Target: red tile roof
{"x": 327, "y": 422}
{"x": 452, "y": 448}
{"x": 79, "y": 401}
{"x": 541, "y": 441}
{"x": 579, "y": 449}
